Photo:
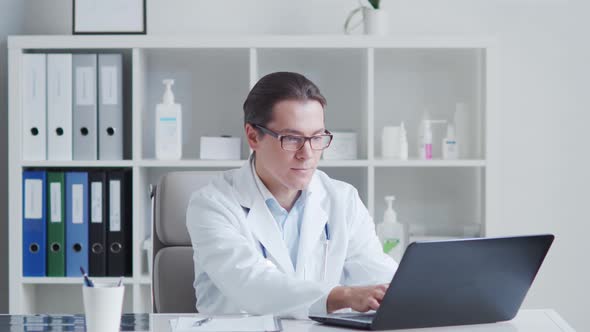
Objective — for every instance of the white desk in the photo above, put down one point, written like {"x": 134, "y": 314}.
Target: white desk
{"x": 526, "y": 321}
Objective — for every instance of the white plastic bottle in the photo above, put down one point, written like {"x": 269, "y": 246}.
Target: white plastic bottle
{"x": 403, "y": 143}
{"x": 450, "y": 147}
{"x": 168, "y": 140}
{"x": 392, "y": 233}
{"x": 425, "y": 118}
{"x": 425, "y": 142}
{"x": 462, "y": 129}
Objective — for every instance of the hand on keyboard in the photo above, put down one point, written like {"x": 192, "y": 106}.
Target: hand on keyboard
{"x": 360, "y": 299}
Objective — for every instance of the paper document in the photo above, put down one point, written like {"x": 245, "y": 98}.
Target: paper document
{"x": 225, "y": 324}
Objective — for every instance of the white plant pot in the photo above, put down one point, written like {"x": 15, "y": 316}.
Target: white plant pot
{"x": 376, "y": 21}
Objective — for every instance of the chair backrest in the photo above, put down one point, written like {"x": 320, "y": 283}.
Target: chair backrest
{"x": 173, "y": 268}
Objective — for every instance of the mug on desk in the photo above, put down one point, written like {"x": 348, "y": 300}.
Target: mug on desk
{"x": 103, "y": 306}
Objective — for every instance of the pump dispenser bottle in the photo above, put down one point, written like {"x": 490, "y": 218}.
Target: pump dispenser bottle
{"x": 392, "y": 233}
{"x": 403, "y": 142}
{"x": 168, "y": 140}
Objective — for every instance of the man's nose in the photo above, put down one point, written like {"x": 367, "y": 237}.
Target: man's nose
{"x": 306, "y": 151}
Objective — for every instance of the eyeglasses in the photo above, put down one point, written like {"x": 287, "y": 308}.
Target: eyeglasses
{"x": 296, "y": 142}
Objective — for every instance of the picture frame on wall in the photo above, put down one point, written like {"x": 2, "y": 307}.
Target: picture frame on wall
{"x": 91, "y": 17}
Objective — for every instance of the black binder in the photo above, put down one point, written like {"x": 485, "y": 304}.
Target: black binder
{"x": 119, "y": 223}
{"x": 97, "y": 226}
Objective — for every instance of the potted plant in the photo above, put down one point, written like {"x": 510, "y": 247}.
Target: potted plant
{"x": 374, "y": 19}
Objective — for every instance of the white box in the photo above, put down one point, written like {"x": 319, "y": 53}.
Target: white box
{"x": 343, "y": 146}
{"x": 220, "y": 148}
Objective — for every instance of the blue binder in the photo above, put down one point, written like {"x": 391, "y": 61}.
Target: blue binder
{"x": 34, "y": 223}
{"x": 76, "y": 223}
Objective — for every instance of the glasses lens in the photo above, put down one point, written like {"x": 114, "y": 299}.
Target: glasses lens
{"x": 320, "y": 142}
{"x": 292, "y": 143}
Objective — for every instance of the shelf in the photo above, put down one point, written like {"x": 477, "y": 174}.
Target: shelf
{"x": 263, "y": 41}
{"x": 190, "y": 163}
{"x": 70, "y": 280}
{"x": 370, "y": 82}
{"x": 429, "y": 163}
{"x": 323, "y": 163}
{"x": 343, "y": 163}
{"x": 238, "y": 163}
{"x": 197, "y": 81}
{"x": 78, "y": 163}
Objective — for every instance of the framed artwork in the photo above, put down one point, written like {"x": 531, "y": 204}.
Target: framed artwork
{"x": 109, "y": 17}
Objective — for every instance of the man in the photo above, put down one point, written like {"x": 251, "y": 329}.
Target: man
{"x": 278, "y": 236}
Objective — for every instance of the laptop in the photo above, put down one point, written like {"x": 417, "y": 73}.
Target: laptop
{"x": 455, "y": 282}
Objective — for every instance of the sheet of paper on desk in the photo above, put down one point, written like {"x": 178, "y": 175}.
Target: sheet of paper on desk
{"x": 226, "y": 324}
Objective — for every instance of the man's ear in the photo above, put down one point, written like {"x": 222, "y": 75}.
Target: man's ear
{"x": 252, "y": 136}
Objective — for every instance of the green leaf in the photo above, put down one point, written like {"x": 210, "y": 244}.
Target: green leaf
{"x": 374, "y": 3}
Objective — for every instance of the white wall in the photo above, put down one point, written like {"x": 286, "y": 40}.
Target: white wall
{"x": 11, "y": 12}
{"x": 544, "y": 66}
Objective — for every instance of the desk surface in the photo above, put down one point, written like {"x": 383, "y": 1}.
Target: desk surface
{"x": 526, "y": 321}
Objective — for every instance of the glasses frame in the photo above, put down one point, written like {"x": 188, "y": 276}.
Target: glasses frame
{"x": 306, "y": 138}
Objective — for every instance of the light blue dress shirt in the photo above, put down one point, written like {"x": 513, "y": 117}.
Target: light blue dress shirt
{"x": 289, "y": 222}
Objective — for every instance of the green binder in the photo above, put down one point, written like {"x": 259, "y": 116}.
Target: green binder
{"x": 55, "y": 224}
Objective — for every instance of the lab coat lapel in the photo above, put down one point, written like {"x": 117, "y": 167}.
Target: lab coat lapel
{"x": 259, "y": 219}
{"x": 312, "y": 226}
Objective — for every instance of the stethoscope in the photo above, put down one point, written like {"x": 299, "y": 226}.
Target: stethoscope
{"x": 326, "y": 249}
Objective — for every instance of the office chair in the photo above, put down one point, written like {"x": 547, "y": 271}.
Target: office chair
{"x": 173, "y": 268}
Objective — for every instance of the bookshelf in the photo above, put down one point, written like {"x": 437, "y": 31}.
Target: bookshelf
{"x": 369, "y": 82}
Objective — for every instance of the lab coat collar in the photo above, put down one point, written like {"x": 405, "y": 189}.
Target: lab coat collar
{"x": 259, "y": 219}
{"x": 264, "y": 226}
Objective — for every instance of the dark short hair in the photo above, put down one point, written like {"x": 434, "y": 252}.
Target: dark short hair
{"x": 276, "y": 87}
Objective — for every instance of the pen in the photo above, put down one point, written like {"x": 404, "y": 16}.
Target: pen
{"x": 87, "y": 280}
{"x": 120, "y": 282}
{"x": 202, "y": 321}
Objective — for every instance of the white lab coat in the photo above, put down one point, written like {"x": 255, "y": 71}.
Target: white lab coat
{"x": 226, "y": 220}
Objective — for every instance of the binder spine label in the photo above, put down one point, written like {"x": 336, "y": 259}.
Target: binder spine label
{"x": 109, "y": 86}
{"x": 96, "y": 204}
{"x": 115, "y": 206}
{"x": 85, "y": 95}
{"x": 55, "y": 192}
{"x": 77, "y": 204}
{"x": 33, "y": 199}
{"x": 35, "y": 82}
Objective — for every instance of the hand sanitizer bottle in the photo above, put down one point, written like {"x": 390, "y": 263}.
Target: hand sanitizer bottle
{"x": 392, "y": 234}
{"x": 168, "y": 138}
{"x": 403, "y": 142}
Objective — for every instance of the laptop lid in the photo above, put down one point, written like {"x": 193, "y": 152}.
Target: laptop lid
{"x": 457, "y": 282}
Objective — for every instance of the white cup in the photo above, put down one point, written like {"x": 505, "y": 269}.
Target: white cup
{"x": 103, "y": 305}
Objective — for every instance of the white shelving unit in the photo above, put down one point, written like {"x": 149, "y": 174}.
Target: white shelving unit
{"x": 369, "y": 82}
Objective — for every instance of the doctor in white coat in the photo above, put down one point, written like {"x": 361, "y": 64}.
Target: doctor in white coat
{"x": 277, "y": 236}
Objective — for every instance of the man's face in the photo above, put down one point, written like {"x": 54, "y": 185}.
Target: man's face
{"x": 290, "y": 170}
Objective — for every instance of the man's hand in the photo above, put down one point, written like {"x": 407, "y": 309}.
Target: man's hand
{"x": 357, "y": 298}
